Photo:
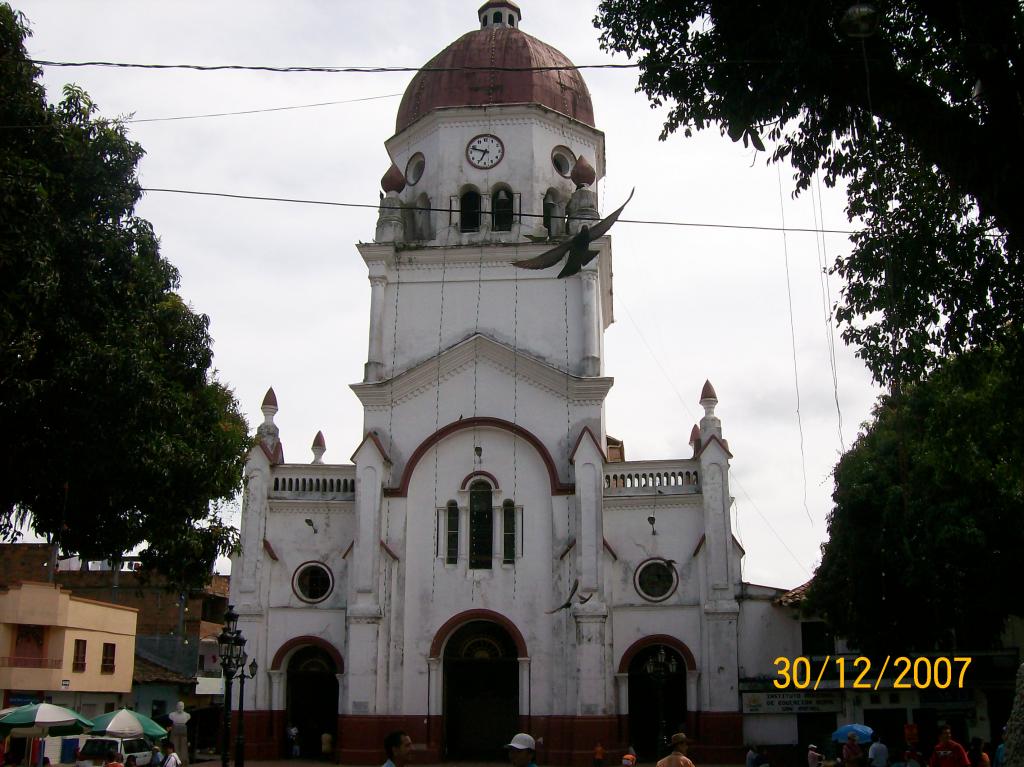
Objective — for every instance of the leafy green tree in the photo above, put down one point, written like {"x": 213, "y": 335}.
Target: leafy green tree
{"x": 116, "y": 431}
{"x": 917, "y": 556}
{"x": 923, "y": 118}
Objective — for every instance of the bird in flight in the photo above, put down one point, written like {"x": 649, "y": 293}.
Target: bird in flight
{"x": 578, "y": 247}
{"x": 568, "y": 602}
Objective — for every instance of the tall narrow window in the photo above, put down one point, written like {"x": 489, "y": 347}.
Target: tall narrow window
{"x": 508, "y": 531}
{"x": 481, "y": 526}
{"x": 469, "y": 212}
{"x": 107, "y": 664}
{"x": 501, "y": 211}
{"x": 79, "y": 662}
{"x": 451, "y": 555}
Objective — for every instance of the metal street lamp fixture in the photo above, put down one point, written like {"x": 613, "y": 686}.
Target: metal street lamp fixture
{"x": 659, "y": 667}
{"x": 242, "y": 676}
{"x": 231, "y": 651}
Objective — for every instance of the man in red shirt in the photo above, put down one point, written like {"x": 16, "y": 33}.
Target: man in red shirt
{"x": 948, "y": 753}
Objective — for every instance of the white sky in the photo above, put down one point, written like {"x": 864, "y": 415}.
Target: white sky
{"x": 287, "y": 293}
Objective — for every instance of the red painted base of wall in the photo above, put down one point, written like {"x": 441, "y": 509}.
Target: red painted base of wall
{"x": 716, "y": 738}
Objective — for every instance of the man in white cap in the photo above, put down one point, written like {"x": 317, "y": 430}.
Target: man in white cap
{"x": 521, "y": 750}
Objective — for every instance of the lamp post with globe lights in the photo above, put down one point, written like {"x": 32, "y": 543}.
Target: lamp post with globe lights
{"x": 229, "y": 662}
{"x": 658, "y": 667}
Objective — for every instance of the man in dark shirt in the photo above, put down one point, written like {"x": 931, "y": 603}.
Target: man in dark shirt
{"x": 948, "y": 753}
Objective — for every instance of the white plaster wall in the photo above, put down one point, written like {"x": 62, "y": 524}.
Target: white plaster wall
{"x": 766, "y": 632}
{"x": 765, "y": 729}
{"x": 435, "y": 591}
{"x": 538, "y": 410}
{"x": 534, "y": 322}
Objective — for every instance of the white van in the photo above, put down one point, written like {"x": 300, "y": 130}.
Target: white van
{"x": 93, "y": 750}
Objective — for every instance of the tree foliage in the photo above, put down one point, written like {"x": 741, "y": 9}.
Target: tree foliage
{"x": 926, "y": 522}
{"x": 923, "y": 118}
{"x": 116, "y": 430}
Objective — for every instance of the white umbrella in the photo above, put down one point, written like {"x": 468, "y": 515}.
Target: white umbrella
{"x": 126, "y": 723}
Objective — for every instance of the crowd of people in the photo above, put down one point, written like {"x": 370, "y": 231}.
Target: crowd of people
{"x": 946, "y": 753}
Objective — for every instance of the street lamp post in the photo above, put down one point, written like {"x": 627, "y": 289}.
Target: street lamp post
{"x": 242, "y": 676}
{"x": 659, "y": 667}
{"x": 230, "y": 651}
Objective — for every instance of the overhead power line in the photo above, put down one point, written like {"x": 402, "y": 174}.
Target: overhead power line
{"x": 330, "y": 70}
{"x": 337, "y": 204}
{"x": 213, "y": 114}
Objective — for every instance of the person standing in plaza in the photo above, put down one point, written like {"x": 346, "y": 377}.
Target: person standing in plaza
{"x": 598, "y": 755}
{"x": 677, "y": 757}
{"x": 521, "y": 750}
{"x": 397, "y": 746}
{"x": 171, "y": 759}
{"x": 948, "y": 753}
{"x": 814, "y": 756}
{"x": 878, "y": 752}
{"x": 852, "y": 753}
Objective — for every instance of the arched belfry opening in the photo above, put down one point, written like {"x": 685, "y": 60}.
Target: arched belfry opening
{"x": 481, "y": 691}
{"x": 657, "y": 698}
{"x": 312, "y": 703}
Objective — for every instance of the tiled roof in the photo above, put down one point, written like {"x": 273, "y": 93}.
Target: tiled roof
{"x": 147, "y": 672}
{"x": 794, "y": 597}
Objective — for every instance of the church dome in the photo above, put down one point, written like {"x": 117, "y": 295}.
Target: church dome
{"x": 466, "y": 80}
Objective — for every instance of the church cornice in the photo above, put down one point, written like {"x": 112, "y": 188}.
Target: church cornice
{"x": 424, "y": 375}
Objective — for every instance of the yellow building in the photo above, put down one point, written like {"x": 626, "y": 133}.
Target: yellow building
{"x": 61, "y": 648}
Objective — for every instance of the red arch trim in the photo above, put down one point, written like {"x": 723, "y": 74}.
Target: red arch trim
{"x": 557, "y": 486}
{"x": 306, "y": 641}
{"x": 656, "y": 639}
{"x": 456, "y": 621}
{"x": 479, "y": 473}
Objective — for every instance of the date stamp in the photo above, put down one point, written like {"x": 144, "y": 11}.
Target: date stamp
{"x": 859, "y": 673}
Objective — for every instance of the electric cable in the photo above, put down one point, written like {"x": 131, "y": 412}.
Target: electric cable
{"x": 261, "y": 110}
{"x": 792, "y": 339}
{"x": 376, "y": 206}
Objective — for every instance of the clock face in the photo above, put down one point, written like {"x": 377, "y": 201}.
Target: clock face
{"x": 485, "y": 151}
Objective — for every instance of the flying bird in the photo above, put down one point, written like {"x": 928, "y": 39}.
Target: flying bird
{"x": 578, "y": 247}
{"x": 568, "y": 602}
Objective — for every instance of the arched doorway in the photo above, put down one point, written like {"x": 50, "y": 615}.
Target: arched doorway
{"x": 652, "y": 701}
{"x": 481, "y": 691}
{"x": 312, "y": 698}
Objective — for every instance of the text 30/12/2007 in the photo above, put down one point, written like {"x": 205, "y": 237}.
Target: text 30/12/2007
{"x": 843, "y": 672}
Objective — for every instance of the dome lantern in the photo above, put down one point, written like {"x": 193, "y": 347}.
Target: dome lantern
{"x": 499, "y": 13}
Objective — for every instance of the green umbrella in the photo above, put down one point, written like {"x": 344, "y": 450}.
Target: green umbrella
{"x": 43, "y": 719}
{"x": 126, "y": 723}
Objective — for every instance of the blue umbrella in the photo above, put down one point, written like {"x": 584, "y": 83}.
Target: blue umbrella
{"x": 862, "y": 731}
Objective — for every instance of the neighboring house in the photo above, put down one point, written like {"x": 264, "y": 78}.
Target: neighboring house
{"x": 979, "y": 709}
{"x": 59, "y": 647}
{"x": 174, "y": 633}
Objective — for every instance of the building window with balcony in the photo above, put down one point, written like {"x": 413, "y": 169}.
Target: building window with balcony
{"x": 78, "y": 664}
{"x": 109, "y": 652}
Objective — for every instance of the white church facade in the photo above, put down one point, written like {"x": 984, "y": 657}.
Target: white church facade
{"x": 488, "y": 563}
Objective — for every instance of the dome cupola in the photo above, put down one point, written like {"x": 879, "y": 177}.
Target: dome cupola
{"x": 495, "y": 65}
{"x": 499, "y": 13}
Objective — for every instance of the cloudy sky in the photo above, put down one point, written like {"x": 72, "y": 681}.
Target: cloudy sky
{"x": 287, "y": 293}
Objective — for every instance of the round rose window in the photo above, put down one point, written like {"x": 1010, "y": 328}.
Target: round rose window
{"x": 655, "y": 580}
{"x": 313, "y": 582}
